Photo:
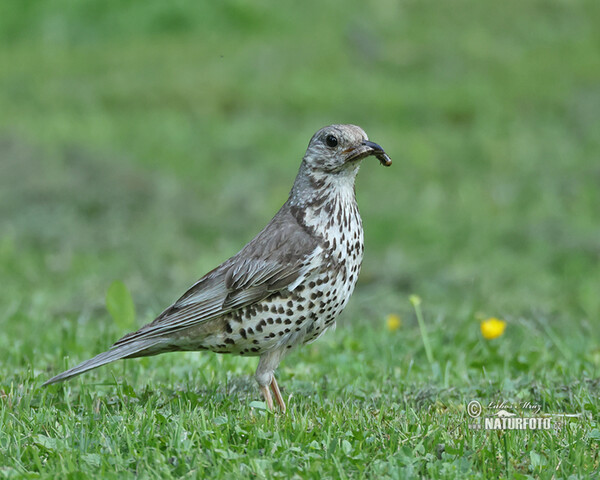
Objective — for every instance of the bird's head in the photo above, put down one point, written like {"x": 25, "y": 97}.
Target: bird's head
{"x": 340, "y": 148}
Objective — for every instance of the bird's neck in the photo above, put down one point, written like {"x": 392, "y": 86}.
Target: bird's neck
{"x": 313, "y": 188}
{"x": 325, "y": 204}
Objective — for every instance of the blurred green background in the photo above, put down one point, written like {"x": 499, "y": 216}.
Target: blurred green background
{"x": 148, "y": 141}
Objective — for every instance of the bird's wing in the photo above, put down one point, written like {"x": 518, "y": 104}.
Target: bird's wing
{"x": 272, "y": 261}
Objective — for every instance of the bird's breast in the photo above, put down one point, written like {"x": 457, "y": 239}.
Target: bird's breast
{"x": 338, "y": 224}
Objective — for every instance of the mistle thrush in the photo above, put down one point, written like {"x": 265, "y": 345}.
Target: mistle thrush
{"x": 285, "y": 287}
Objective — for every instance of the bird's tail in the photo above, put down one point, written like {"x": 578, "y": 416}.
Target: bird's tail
{"x": 133, "y": 349}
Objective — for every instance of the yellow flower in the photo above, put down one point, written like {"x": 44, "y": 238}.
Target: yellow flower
{"x": 393, "y": 322}
{"x": 492, "y": 328}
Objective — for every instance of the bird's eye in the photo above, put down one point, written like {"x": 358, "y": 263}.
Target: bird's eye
{"x": 331, "y": 141}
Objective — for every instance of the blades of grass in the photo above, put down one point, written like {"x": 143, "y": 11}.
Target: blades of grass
{"x": 416, "y": 303}
{"x": 555, "y": 340}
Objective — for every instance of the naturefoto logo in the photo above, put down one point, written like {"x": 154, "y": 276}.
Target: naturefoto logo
{"x": 501, "y": 418}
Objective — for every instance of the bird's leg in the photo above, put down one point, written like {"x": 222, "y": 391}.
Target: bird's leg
{"x": 265, "y": 378}
{"x": 277, "y": 393}
{"x": 265, "y": 391}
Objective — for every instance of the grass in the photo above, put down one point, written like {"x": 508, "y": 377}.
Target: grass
{"x": 144, "y": 143}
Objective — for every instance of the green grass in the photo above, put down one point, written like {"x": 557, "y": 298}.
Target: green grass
{"x": 145, "y": 142}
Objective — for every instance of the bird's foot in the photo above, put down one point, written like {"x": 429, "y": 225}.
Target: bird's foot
{"x": 278, "y": 397}
{"x": 269, "y": 399}
{"x": 265, "y": 391}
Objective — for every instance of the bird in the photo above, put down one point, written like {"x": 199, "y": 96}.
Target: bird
{"x": 284, "y": 288}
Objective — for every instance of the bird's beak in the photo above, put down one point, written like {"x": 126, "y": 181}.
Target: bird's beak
{"x": 366, "y": 149}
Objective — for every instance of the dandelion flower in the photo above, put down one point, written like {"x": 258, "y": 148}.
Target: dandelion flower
{"x": 492, "y": 328}
{"x": 393, "y": 322}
